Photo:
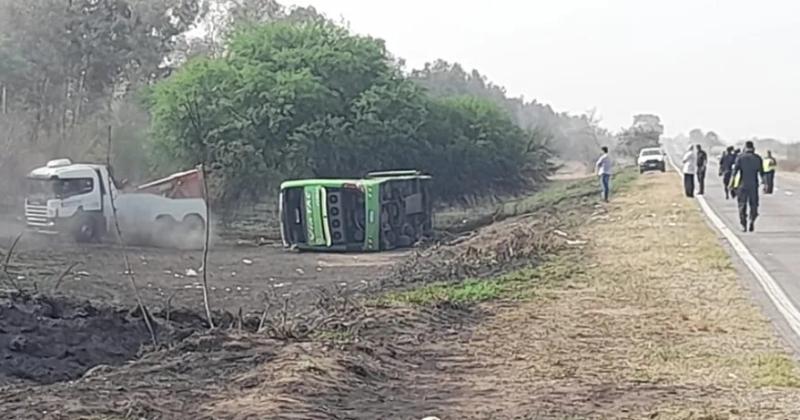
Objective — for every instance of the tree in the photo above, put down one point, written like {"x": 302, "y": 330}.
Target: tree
{"x": 293, "y": 99}
{"x": 228, "y": 15}
{"x": 71, "y": 59}
{"x": 696, "y": 136}
{"x": 572, "y": 137}
{"x": 282, "y": 90}
{"x": 646, "y": 131}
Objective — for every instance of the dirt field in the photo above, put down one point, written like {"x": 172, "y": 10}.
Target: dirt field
{"x": 240, "y": 275}
{"x": 581, "y": 326}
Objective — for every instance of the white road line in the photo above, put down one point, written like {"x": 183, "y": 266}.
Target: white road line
{"x": 778, "y": 297}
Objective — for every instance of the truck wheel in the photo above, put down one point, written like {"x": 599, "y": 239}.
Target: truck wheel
{"x": 194, "y": 224}
{"x": 85, "y": 229}
{"x": 164, "y": 226}
{"x": 194, "y": 229}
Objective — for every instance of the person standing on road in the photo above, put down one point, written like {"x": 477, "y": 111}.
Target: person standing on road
{"x": 770, "y": 165}
{"x": 604, "y": 168}
{"x": 726, "y": 170}
{"x": 702, "y": 163}
{"x": 749, "y": 167}
{"x": 689, "y": 171}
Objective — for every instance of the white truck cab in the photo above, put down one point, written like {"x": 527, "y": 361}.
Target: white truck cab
{"x": 75, "y": 198}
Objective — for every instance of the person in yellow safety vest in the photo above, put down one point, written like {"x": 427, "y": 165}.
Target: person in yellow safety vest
{"x": 770, "y": 165}
{"x": 736, "y": 178}
{"x": 735, "y": 183}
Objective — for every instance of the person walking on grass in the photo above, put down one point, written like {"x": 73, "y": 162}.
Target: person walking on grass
{"x": 702, "y": 163}
{"x": 603, "y": 167}
{"x": 726, "y": 170}
{"x": 770, "y": 165}
{"x": 689, "y": 171}
{"x": 748, "y": 169}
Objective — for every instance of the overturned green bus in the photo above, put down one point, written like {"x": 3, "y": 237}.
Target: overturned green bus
{"x": 383, "y": 211}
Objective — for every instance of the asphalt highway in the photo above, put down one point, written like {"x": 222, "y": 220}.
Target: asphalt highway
{"x": 775, "y": 244}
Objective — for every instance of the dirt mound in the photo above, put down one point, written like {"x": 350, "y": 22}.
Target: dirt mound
{"x": 497, "y": 248}
{"x": 46, "y": 340}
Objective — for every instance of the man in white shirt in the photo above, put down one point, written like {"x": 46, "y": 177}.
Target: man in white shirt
{"x": 603, "y": 167}
{"x": 689, "y": 171}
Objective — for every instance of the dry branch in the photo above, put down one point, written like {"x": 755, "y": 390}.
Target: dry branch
{"x": 128, "y": 268}
{"x": 7, "y": 261}
{"x": 64, "y": 274}
{"x": 207, "y": 230}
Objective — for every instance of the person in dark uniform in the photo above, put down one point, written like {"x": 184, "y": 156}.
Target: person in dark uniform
{"x": 726, "y": 170}
{"x": 702, "y": 163}
{"x": 750, "y": 168}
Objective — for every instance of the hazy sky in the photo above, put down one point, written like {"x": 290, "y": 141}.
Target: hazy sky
{"x": 732, "y": 66}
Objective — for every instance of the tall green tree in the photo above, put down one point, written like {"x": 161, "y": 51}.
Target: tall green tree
{"x": 572, "y": 137}
{"x": 308, "y": 98}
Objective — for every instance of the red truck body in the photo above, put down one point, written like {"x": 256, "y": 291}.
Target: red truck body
{"x": 188, "y": 184}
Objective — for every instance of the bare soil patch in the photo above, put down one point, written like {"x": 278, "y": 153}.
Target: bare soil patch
{"x": 239, "y": 275}
{"x": 45, "y": 340}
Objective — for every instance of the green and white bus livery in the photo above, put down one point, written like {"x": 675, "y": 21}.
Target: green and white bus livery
{"x": 383, "y": 211}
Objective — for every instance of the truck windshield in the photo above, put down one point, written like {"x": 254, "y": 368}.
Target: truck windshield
{"x": 654, "y": 152}
{"x": 44, "y": 189}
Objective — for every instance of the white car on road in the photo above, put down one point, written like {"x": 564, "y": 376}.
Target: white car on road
{"x": 652, "y": 159}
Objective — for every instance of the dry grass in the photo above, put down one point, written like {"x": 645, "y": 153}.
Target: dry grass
{"x": 657, "y": 325}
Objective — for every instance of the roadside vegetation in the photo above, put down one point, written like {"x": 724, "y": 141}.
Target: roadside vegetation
{"x": 647, "y": 320}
